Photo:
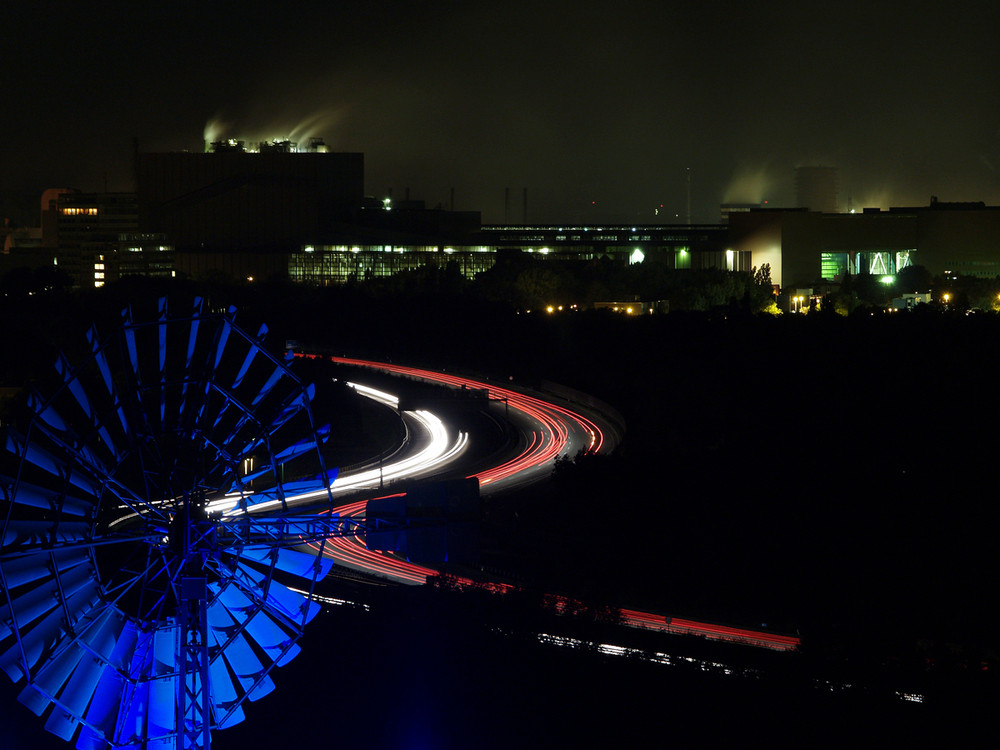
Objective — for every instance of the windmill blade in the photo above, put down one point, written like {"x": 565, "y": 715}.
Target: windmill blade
{"x": 92, "y": 654}
{"x": 26, "y": 608}
{"x": 225, "y": 699}
{"x": 72, "y": 676}
{"x": 228, "y": 619}
{"x": 112, "y": 687}
{"x": 41, "y": 564}
{"x": 101, "y": 361}
{"x": 20, "y": 537}
{"x": 131, "y": 724}
{"x": 44, "y": 635}
{"x": 301, "y": 564}
{"x": 132, "y": 616}
{"x": 36, "y": 455}
{"x": 253, "y": 351}
{"x": 278, "y": 597}
{"x": 162, "y": 715}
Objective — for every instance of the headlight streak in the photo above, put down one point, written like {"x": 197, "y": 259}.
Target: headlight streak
{"x": 438, "y": 452}
{"x": 658, "y": 657}
{"x": 557, "y": 424}
{"x": 331, "y": 600}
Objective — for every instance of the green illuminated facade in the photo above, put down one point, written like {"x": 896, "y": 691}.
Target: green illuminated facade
{"x": 680, "y": 247}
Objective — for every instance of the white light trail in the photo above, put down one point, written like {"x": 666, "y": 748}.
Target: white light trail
{"x": 439, "y": 450}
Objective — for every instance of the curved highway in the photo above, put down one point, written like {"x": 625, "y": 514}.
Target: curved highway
{"x": 547, "y": 430}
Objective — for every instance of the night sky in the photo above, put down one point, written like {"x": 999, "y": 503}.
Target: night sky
{"x": 576, "y": 101}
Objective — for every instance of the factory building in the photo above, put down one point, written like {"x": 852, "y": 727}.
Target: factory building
{"x": 474, "y": 251}
{"x": 241, "y": 210}
{"x": 279, "y": 210}
{"x": 804, "y": 246}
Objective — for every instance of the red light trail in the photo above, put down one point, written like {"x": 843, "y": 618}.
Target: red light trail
{"x": 557, "y": 423}
{"x": 558, "y": 426}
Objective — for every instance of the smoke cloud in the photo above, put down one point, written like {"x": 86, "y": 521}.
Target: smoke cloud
{"x": 749, "y": 184}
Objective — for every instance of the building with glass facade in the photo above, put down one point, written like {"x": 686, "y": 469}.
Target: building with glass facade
{"x": 703, "y": 246}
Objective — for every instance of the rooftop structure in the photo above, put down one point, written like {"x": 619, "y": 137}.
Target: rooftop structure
{"x": 274, "y": 198}
{"x": 804, "y": 246}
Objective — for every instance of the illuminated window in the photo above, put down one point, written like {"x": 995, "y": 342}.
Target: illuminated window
{"x": 98, "y": 266}
{"x": 98, "y": 274}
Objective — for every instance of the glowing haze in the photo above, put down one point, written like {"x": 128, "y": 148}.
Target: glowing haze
{"x": 596, "y": 109}
{"x": 749, "y": 185}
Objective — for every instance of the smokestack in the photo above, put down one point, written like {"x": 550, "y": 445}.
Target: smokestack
{"x": 135, "y": 163}
{"x": 689, "y": 196}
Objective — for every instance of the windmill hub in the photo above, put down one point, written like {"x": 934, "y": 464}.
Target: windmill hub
{"x": 158, "y": 622}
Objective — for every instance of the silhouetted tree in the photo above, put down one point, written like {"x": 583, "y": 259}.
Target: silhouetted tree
{"x": 914, "y": 279}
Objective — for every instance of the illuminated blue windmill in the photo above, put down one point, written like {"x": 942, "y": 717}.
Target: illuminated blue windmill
{"x": 151, "y": 513}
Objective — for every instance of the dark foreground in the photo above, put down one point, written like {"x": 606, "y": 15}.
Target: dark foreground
{"x": 424, "y": 669}
{"x": 824, "y": 475}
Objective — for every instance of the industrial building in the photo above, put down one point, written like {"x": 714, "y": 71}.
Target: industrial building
{"x": 679, "y": 247}
{"x": 231, "y": 198}
{"x": 93, "y": 238}
{"x": 804, "y": 246}
{"x": 239, "y": 211}
{"x": 98, "y": 240}
{"x": 277, "y": 210}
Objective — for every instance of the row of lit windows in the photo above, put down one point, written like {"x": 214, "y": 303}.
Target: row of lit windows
{"x": 66, "y": 211}
{"x": 337, "y": 264}
{"x": 339, "y": 267}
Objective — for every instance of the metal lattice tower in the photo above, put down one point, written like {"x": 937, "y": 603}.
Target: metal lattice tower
{"x": 150, "y": 566}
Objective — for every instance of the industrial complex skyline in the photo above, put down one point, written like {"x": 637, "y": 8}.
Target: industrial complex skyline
{"x": 598, "y": 114}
